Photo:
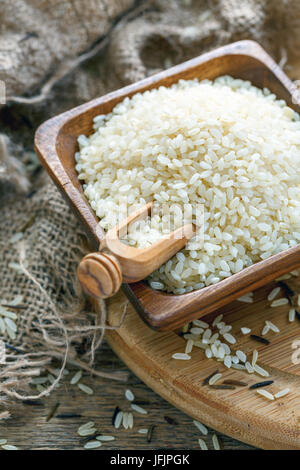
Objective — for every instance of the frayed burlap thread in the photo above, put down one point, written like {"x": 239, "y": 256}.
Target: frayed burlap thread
{"x": 41, "y": 267}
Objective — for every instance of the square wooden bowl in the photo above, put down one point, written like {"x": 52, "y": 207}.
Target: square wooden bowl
{"x": 56, "y": 144}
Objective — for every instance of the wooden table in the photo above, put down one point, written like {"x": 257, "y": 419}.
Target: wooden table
{"x": 28, "y": 429}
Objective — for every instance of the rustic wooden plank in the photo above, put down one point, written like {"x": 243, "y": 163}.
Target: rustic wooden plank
{"x": 28, "y": 428}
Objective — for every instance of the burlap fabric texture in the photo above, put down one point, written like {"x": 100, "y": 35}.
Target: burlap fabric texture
{"x": 53, "y": 56}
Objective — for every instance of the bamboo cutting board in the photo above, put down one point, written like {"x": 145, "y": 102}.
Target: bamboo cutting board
{"x": 240, "y": 413}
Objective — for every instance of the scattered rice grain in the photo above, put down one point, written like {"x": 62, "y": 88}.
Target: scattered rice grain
{"x": 203, "y": 429}
{"x": 85, "y": 389}
{"x": 282, "y": 393}
{"x": 138, "y": 409}
{"x": 265, "y": 394}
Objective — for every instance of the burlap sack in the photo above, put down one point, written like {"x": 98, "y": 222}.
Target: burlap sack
{"x": 154, "y": 35}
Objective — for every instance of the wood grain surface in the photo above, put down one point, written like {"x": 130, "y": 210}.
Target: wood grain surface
{"x": 28, "y": 429}
{"x": 239, "y": 413}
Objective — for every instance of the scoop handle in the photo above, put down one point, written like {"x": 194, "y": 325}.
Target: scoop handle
{"x": 100, "y": 275}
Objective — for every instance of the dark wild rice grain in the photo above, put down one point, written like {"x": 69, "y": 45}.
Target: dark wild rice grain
{"x": 14, "y": 307}
{"x": 259, "y": 339}
{"x": 171, "y": 421}
{"x": 288, "y": 291}
{"x": 113, "y": 419}
{"x": 13, "y": 348}
{"x": 52, "y": 411}
{"x": 90, "y": 438}
{"x": 150, "y": 432}
{"x": 222, "y": 387}
{"x": 68, "y": 416}
{"x": 28, "y": 224}
{"x": 261, "y": 384}
{"x": 32, "y": 403}
{"x": 238, "y": 383}
{"x": 31, "y": 34}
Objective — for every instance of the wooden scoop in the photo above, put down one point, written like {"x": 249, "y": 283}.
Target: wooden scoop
{"x": 101, "y": 274}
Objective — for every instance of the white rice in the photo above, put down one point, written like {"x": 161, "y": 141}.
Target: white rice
{"x": 203, "y": 429}
{"x": 217, "y": 320}
{"x": 279, "y": 302}
{"x": 206, "y": 336}
{"x": 284, "y": 277}
{"x": 129, "y": 395}
{"x": 196, "y": 330}
{"x": 273, "y": 293}
{"x": 229, "y": 338}
{"x": 245, "y": 330}
{"x": 85, "y": 389}
{"x": 92, "y": 445}
{"x": 201, "y": 323}
{"x": 88, "y": 425}
{"x": 202, "y": 444}
{"x": 9, "y": 447}
{"x": 241, "y": 355}
{"x": 75, "y": 379}
{"x": 189, "y": 346}
{"x": 214, "y": 379}
{"x": 272, "y": 327}
{"x": 225, "y": 144}
{"x": 143, "y": 431}
{"x": 254, "y": 357}
{"x": 292, "y": 315}
{"x": 216, "y": 443}
{"x": 265, "y": 394}
{"x": 265, "y": 330}
{"x": 119, "y": 419}
{"x": 249, "y": 367}
{"x": 105, "y": 438}
{"x": 208, "y": 353}
{"x": 130, "y": 420}
{"x": 125, "y": 420}
{"x": 259, "y": 370}
{"x": 228, "y": 362}
{"x": 246, "y": 298}
{"x": 138, "y": 409}
{"x": 282, "y": 393}
{"x": 239, "y": 366}
{"x": 87, "y": 429}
